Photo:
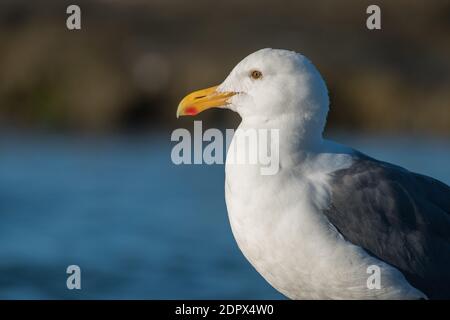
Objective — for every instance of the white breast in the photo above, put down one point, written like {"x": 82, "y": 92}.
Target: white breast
{"x": 277, "y": 223}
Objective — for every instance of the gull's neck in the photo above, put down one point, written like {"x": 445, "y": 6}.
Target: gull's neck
{"x": 298, "y": 137}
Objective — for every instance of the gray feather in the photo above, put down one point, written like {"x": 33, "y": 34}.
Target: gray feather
{"x": 398, "y": 216}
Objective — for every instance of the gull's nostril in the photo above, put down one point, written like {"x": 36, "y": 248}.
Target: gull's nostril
{"x": 199, "y": 97}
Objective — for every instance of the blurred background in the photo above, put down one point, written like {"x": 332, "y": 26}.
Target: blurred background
{"x": 86, "y": 117}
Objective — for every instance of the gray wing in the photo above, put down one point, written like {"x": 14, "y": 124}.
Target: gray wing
{"x": 398, "y": 216}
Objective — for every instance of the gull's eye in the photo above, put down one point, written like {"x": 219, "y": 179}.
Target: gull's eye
{"x": 255, "y": 74}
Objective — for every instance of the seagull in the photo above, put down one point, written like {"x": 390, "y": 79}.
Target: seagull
{"x": 331, "y": 218}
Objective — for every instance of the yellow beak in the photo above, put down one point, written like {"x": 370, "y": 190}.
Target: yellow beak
{"x": 201, "y": 100}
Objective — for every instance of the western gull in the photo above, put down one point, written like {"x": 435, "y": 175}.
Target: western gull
{"x": 316, "y": 228}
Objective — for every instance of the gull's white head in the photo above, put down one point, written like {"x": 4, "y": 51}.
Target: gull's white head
{"x": 269, "y": 88}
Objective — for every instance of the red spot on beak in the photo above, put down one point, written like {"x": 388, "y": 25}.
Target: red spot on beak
{"x": 190, "y": 111}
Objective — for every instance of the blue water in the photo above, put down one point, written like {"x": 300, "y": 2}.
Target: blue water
{"x": 138, "y": 226}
